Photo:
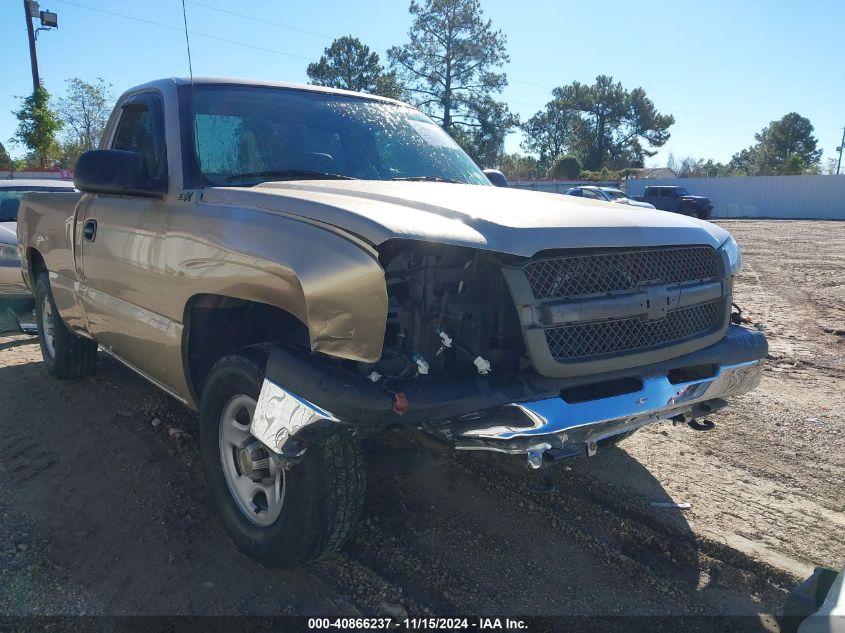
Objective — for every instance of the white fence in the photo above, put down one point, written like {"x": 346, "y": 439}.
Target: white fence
{"x": 793, "y": 197}
{"x": 40, "y": 174}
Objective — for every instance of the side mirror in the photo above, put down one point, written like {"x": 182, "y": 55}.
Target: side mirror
{"x": 496, "y": 177}
{"x": 116, "y": 172}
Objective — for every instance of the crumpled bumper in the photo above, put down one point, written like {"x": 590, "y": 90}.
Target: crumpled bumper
{"x": 538, "y": 417}
{"x": 553, "y": 428}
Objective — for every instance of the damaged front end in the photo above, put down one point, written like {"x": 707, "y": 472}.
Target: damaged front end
{"x": 544, "y": 357}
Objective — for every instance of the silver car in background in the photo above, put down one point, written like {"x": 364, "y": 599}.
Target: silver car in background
{"x": 608, "y": 194}
{"x": 14, "y": 295}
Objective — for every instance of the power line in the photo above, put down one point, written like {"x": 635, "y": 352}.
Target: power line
{"x": 180, "y": 30}
{"x": 323, "y": 36}
{"x": 260, "y": 20}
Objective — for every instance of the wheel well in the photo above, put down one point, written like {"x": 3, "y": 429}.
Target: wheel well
{"x": 36, "y": 265}
{"x": 217, "y": 325}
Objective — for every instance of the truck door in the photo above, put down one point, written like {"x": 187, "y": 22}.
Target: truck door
{"x": 123, "y": 258}
{"x": 667, "y": 201}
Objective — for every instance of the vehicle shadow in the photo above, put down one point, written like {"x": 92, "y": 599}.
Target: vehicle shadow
{"x": 595, "y": 546}
{"x": 105, "y": 490}
{"x": 104, "y": 477}
{"x": 9, "y": 344}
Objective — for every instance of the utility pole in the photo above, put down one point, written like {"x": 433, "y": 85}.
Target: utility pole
{"x": 840, "y": 148}
{"x": 33, "y": 56}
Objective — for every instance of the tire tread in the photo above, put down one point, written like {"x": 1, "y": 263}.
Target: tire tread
{"x": 75, "y": 357}
{"x": 331, "y": 481}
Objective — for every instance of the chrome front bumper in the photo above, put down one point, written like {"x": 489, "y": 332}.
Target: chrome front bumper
{"x": 544, "y": 419}
{"x": 565, "y": 429}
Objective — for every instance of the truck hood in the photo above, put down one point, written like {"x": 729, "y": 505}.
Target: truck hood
{"x": 503, "y": 220}
{"x": 9, "y": 233}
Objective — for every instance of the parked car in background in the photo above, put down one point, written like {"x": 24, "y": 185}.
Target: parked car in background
{"x": 14, "y": 294}
{"x": 617, "y": 195}
{"x": 677, "y": 200}
{"x": 496, "y": 177}
{"x": 608, "y": 194}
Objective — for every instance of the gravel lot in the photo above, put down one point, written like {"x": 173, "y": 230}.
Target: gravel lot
{"x": 103, "y": 508}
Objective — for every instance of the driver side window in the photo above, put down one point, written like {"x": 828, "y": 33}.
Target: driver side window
{"x": 135, "y": 134}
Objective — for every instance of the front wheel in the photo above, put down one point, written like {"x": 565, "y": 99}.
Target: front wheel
{"x": 279, "y": 517}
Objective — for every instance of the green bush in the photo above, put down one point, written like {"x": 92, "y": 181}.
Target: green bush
{"x": 564, "y": 168}
{"x": 607, "y": 175}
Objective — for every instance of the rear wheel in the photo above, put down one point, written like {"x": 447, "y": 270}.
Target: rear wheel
{"x": 65, "y": 354}
{"x": 280, "y": 517}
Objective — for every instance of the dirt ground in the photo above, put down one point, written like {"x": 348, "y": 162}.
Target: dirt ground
{"x": 103, "y": 508}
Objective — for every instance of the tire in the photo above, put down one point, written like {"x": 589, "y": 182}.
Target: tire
{"x": 703, "y": 214}
{"x": 688, "y": 209}
{"x": 66, "y": 355}
{"x": 319, "y": 498}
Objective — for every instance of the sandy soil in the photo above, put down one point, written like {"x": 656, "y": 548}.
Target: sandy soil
{"x": 103, "y": 507}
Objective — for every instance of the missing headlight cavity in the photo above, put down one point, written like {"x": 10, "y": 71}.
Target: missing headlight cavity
{"x": 449, "y": 312}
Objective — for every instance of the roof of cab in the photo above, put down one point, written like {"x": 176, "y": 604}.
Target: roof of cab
{"x": 261, "y": 83}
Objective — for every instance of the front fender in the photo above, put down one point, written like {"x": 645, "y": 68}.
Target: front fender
{"x": 331, "y": 282}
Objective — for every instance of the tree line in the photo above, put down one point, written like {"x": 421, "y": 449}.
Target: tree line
{"x": 451, "y": 67}
{"x": 55, "y": 132}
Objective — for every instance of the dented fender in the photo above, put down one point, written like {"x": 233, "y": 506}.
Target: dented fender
{"x": 331, "y": 282}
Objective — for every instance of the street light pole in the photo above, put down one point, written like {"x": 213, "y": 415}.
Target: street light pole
{"x": 33, "y": 56}
{"x": 840, "y": 148}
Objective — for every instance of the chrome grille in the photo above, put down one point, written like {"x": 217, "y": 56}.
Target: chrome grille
{"x": 577, "y": 341}
{"x": 576, "y": 275}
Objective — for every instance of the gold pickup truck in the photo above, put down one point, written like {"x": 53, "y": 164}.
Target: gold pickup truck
{"x": 306, "y": 267}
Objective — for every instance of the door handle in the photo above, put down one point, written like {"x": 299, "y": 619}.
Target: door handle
{"x": 89, "y": 230}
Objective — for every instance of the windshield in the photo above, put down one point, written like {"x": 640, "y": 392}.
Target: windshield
{"x": 247, "y": 134}
{"x": 681, "y": 191}
{"x": 10, "y": 199}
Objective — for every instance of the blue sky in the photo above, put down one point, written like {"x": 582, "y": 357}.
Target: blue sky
{"x": 724, "y": 69}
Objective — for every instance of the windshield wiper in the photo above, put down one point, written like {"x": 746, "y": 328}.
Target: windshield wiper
{"x": 427, "y": 179}
{"x": 290, "y": 174}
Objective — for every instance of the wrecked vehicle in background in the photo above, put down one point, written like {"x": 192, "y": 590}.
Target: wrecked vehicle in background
{"x": 306, "y": 267}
